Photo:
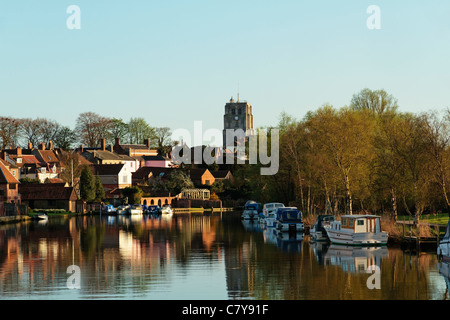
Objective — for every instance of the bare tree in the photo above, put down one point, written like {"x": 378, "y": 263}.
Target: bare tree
{"x": 10, "y": 132}
{"x": 91, "y": 128}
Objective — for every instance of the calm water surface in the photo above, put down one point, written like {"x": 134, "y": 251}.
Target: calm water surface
{"x": 201, "y": 257}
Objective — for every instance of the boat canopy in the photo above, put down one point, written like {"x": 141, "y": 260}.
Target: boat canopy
{"x": 324, "y": 219}
{"x": 289, "y": 214}
{"x": 253, "y": 206}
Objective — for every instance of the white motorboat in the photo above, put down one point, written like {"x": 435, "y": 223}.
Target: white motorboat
{"x": 135, "y": 210}
{"x": 166, "y": 209}
{"x": 443, "y": 250}
{"x": 122, "y": 209}
{"x": 109, "y": 209}
{"x": 317, "y": 231}
{"x": 269, "y": 213}
{"x": 289, "y": 219}
{"x": 357, "y": 230}
{"x": 41, "y": 217}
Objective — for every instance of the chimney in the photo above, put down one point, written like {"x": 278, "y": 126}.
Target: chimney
{"x": 147, "y": 143}
{"x": 81, "y": 148}
{"x": 19, "y": 151}
{"x": 50, "y": 145}
{"x": 103, "y": 144}
{"x": 42, "y": 146}
{"x": 30, "y": 145}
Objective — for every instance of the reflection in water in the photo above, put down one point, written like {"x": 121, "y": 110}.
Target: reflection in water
{"x": 192, "y": 256}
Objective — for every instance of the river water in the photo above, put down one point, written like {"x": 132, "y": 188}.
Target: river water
{"x": 201, "y": 257}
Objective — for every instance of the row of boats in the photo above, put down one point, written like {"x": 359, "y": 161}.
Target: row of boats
{"x": 137, "y": 209}
{"x": 364, "y": 230}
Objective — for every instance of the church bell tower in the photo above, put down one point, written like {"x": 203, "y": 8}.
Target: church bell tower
{"x": 238, "y": 115}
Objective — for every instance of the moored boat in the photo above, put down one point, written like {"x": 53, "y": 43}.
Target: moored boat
{"x": 251, "y": 210}
{"x": 317, "y": 231}
{"x": 289, "y": 219}
{"x": 41, "y": 217}
{"x": 443, "y": 250}
{"x": 357, "y": 230}
{"x": 109, "y": 208}
{"x": 135, "y": 210}
{"x": 122, "y": 209}
{"x": 166, "y": 209}
{"x": 269, "y": 213}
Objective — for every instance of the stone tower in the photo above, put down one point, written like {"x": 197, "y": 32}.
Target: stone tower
{"x": 238, "y": 115}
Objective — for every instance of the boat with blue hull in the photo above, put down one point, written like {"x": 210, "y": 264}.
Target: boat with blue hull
{"x": 289, "y": 219}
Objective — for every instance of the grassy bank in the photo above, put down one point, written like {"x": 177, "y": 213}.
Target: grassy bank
{"x": 440, "y": 218}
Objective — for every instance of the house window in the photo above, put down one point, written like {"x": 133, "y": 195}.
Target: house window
{"x": 207, "y": 182}
{"x": 125, "y": 179}
{"x": 12, "y": 186}
{"x": 360, "y": 222}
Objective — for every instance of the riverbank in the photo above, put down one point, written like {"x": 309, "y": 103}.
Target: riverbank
{"x": 14, "y": 219}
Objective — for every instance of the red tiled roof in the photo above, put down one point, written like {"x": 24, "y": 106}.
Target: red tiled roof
{"x": 47, "y": 191}
{"x": 48, "y": 156}
{"x": 6, "y": 176}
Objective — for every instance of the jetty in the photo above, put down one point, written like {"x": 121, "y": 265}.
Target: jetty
{"x": 412, "y": 239}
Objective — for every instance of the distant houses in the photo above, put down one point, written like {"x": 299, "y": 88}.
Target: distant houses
{"x": 43, "y": 177}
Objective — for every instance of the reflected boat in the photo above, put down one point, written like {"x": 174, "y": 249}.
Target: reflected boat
{"x": 289, "y": 242}
{"x": 355, "y": 259}
{"x": 319, "y": 249}
{"x": 357, "y": 230}
{"x": 444, "y": 270}
{"x": 251, "y": 226}
{"x": 270, "y": 236}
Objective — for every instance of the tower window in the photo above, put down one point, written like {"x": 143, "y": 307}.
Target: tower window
{"x": 240, "y": 111}
{"x": 233, "y": 111}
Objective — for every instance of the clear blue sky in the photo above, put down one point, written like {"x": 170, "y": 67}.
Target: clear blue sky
{"x": 174, "y": 62}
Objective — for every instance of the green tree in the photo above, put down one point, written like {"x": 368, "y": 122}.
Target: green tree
{"x": 87, "y": 185}
{"x": 133, "y": 194}
{"x": 179, "y": 180}
{"x": 118, "y": 129}
{"x": 377, "y": 101}
{"x": 139, "y": 129}
{"x": 99, "y": 190}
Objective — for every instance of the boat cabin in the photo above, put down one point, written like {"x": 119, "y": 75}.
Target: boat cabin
{"x": 359, "y": 223}
{"x": 289, "y": 214}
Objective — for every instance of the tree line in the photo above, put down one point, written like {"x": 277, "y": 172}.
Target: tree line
{"x": 89, "y": 129}
{"x": 364, "y": 157}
